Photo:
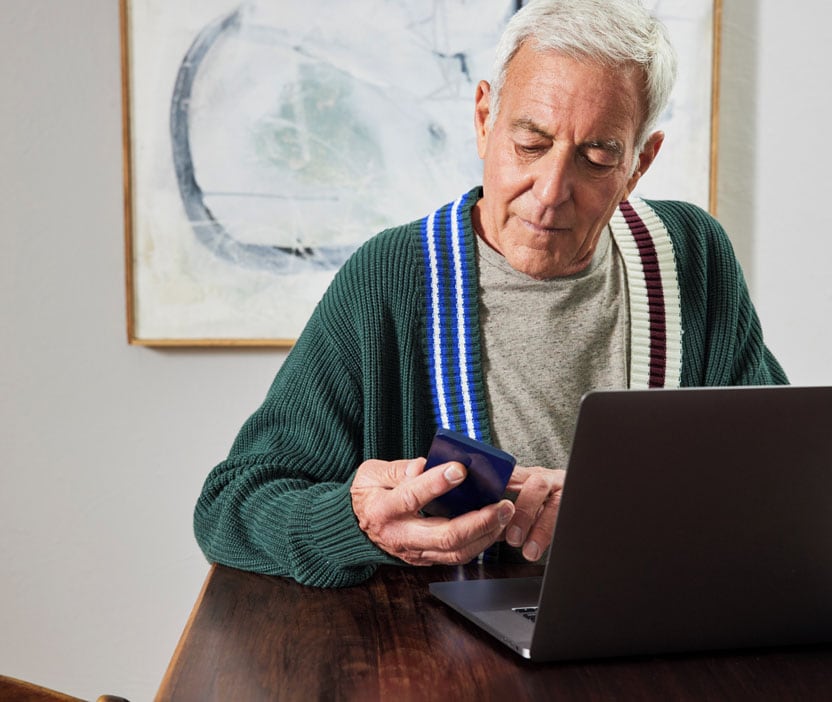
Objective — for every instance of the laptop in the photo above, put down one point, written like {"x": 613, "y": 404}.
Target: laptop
{"x": 690, "y": 519}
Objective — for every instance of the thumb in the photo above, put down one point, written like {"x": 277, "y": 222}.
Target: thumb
{"x": 416, "y": 493}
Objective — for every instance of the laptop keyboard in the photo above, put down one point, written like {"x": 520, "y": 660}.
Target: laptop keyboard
{"x": 529, "y": 613}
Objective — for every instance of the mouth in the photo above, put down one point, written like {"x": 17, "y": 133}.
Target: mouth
{"x": 543, "y": 230}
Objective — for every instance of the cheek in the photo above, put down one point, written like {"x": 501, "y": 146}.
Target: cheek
{"x": 504, "y": 177}
{"x": 597, "y": 202}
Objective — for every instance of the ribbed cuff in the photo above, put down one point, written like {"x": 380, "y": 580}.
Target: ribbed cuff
{"x": 334, "y": 551}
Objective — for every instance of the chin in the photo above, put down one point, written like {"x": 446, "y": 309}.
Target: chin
{"x": 542, "y": 265}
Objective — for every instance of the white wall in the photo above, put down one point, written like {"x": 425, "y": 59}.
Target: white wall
{"x": 105, "y": 446}
{"x": 793, "y": 186}
{"x": 773, "y": 181}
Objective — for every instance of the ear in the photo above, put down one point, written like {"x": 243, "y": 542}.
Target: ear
{"x": 645, "y": 158}
{"x": 482, "y": 111}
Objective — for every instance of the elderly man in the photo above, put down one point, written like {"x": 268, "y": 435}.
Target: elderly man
{"x": 492, "y": 316}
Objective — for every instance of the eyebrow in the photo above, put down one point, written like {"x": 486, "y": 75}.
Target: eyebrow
{"x": 611, "y": 145}
{"x": 530, "y": 126}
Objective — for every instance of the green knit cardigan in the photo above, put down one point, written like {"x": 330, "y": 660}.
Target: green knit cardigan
{"x": 392, "y": 351}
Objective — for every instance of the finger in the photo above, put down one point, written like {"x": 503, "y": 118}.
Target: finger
{"x": 540, "y": 535}
{"x": 528, "y": 505}
{"x": 518, "y": 478}
{"x": 386, "y": 474}
{"x": 415, "y": 493}
{"x": 414, "y": 467}
{"x": 459, "y": 540}
{"x": 521, "y": 474}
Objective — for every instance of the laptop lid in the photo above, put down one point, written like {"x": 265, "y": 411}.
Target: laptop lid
{"x": 690, "y": 519}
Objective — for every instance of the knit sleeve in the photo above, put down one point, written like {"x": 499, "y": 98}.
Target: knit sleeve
{"x": 723, "y": 341}
{"x": 753, "y": 362}
{"x": 280, "y": 503}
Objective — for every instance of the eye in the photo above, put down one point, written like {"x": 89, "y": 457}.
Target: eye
{"x": 530, "y": 148}
{"x": 598, "y": 166}
{"x": 601, "y": 156}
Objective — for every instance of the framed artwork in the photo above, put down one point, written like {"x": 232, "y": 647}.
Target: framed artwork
{"x": 265, "y": 140}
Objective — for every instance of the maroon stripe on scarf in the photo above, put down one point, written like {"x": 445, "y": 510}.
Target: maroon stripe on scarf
{"x": 655, "y": 294}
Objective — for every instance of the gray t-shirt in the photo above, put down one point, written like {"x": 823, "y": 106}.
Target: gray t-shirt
{"x": 546, "y": 343}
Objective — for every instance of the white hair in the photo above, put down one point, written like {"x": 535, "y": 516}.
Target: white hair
{"x": 616, "y": 33}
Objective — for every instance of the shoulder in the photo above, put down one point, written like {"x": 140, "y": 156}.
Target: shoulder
{"x": 685, "y": 218}
{"x": 390, "y": 269}
{"x": 383, "y": 274}
{"x": 697, "y": 236}
{"x": 383, "y": 258}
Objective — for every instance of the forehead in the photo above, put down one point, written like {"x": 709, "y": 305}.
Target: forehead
{"x": 568, "y": 96}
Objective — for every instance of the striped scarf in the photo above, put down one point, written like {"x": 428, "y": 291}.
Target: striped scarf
{"x": 449, "y": 251}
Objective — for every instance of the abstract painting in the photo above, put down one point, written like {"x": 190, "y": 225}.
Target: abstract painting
{"x": 265, "y": 140}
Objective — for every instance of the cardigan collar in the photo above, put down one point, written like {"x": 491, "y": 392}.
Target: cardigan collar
{"x": 452, "y": 323}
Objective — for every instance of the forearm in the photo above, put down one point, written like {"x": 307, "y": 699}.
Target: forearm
{"x": 754, "y": 362}
{"x": 251, "y": 517}
{"x": 280, "y": 503}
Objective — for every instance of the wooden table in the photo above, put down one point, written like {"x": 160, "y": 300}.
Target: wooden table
{"x": 254, "y": 637}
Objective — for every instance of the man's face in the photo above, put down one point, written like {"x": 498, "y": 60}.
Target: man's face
{"x": 558, "y": 159}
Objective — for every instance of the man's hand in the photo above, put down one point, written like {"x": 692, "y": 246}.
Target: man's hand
{"x": 536, "y": 508}
{"x": 387, "y": 498}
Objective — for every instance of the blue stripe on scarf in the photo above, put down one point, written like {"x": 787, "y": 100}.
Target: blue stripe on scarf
{"x": 451, "y": 293}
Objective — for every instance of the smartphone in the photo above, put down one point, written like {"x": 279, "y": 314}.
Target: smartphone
{"x": 489, "y": 470}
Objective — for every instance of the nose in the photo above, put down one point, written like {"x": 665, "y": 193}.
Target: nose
{"x": 554, "y": 178}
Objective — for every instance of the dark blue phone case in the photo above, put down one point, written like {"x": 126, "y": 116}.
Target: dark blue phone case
{"x": 489, "y": 470}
